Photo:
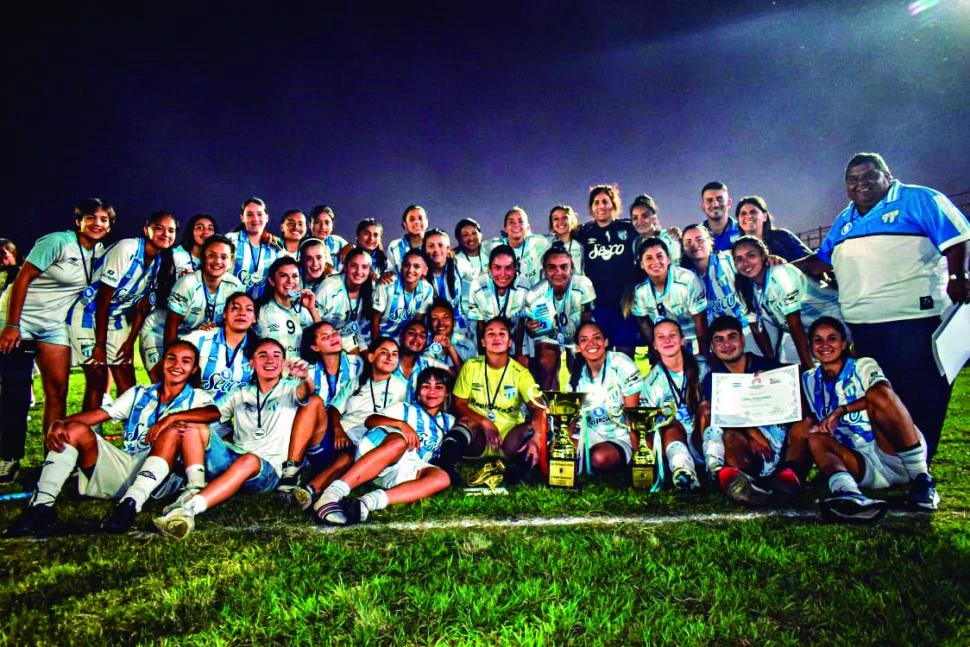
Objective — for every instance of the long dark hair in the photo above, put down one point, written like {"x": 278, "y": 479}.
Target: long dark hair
{"x": 450, "y": 270}
{"x": 691, "y": 369}
{"x": 166, "y": 277}
{"x": 378, "y": 256}
{"x": 188, "y": 238}
{"x": 466, "y": 222}
{"x": 576, "y": 370}
{"x": 367, "y": 287}
{"x": 268, "y": 293}
{"x": 367, "y": 374}
{"x": 743, "y": 284}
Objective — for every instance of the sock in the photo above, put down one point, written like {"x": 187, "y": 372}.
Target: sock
{"x": 56, "y": 470}
{"x": 334, "y": 492}
{"x": 678, "y": 457}
{"x": 453, "y": 446}
{"x": 195, "y": 477}
{"x": 914, "y": 460}
{"x": 196, "y": 505}
{"x": 376, "y": 500}
{"x": 842, "y": 482}
{"x": 713, "y": 447}
{"x": 153, "y": 471}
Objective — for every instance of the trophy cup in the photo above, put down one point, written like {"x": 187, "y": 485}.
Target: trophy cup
{"x": 644, "y": 422}
{"x": 562, "y": 407}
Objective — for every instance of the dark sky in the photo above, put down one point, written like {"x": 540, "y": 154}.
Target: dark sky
{"x": 193, "y": 108}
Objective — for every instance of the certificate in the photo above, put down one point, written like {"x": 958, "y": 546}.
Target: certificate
{"x": 748, "y": 400}
{"x": 950, "y": 348}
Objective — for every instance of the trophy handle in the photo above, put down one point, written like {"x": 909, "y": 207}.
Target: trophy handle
{"x": 668, "y": 411}
{"x": 537, "y": 400}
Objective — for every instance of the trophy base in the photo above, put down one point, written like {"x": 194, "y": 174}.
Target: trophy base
{"x": 644, "y": 476}
{"x": 562, "y": 473}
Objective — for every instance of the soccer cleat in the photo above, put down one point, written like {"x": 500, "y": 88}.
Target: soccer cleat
{"x": 786, "y": 483}
{"x": 9, "y": 470}
{"x": 121, "y": 518}
{"x": 922, "y": 493}
{"x": 853, "y": 507}
{"x": 486, "y": 475}
{"x": 685, "y": 480}
{"x": 290, "y": 477}
{"x": 738, "y": 487}
{"x": 303, "y": 496}
{"x": 177, "y": 523}
{"x": 354, "y": 510}
{"x": 330, "y": 514}
{"x": 180, "y": 500}
{"x": 33, "y": 519}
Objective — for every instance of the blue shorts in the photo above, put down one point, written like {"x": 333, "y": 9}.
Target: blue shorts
{"x": 621, "y": 331}
{"x": 219, "y": 455}
{"x": 320, "y": 456}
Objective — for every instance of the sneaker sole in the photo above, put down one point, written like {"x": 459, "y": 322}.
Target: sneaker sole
{"x": 301, "y": 498}
{"x": 176, "y": 528}
{"x": 928, "y": 506}
{"x": 847, "y": 510}
{"x": 740, "y": 489}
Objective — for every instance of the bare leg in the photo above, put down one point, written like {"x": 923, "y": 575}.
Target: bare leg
{"x": 430, "y": 481}
{"x": 370, "y": 464}
{"x": 124, "y": 377}
{"x": 831, "y": 456}
{"x": 606, "y": 456}
{"x": 309, "y": 428}
{"x": 95, "y": 382}
{"x": 228, "y": 483}
{"x": 332, "y": 472}
{"x": 54, "y": 363}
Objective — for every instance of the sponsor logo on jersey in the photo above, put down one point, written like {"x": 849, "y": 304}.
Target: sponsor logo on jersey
{"x": 606, "y": 252}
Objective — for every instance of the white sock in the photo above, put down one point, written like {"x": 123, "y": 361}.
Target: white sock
{"x": 376, "y": 500}
{"x": 195, "y": 477}
{"x": 56, "y": 470}
{"x": 713, "y": 447}
{"x": 196, "y": 505}
{"x": 334, "y": 492}
{"x": 678, "y": 457}
{"x": 153, "y": 471}
{"x": 842, "y": 482}
{"x": 914, "y": 460}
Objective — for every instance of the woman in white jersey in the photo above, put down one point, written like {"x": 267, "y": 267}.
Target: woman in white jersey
{"x": 187, "y": 255}
{"x": 404, "y": 297}
{"x": 564, "y": 227}
{"x": 321, "y": 226}
{"x": 256, "y": 248}
{"x": 315, "y": 264}
{"x": 347, "y": 300}
{"x": 293, "y": 228}
{"x": 56, "y": 270}
{"x": 285, "y": 309}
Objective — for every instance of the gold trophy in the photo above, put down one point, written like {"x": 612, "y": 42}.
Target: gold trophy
{"x": 644, "y": 422}
{"x": 562, "y": 407}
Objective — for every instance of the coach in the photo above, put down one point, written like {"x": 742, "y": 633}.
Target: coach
{"x": 899, "y": 253}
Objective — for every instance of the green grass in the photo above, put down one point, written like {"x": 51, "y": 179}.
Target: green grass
{"x": 255, "y": 572}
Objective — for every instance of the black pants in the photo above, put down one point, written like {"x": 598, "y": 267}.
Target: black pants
{"x": 16, "y": 370}
{"x": 904, "y": 351}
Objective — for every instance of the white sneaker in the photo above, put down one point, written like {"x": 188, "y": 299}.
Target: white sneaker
{"x": 9, "y": 470}
{"x": 685, "y": 480}
{"x": 177, "y": 523}
{"x": 180, "y": 500}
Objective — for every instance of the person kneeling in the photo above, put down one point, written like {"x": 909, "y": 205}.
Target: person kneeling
{"x": 394, "y": 454}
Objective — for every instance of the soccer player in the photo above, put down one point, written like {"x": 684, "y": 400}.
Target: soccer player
{"x": 755, "y": 220}
{"x": 347, "y": 300}
{"x": 369, "y": 233}
{"x": 414, "y": 220}
{"x": 782, "y": 300}
{"x": 404, "y": 297}
{"x": 262, "y": 413}
{"x": 669, "y": 292}
{"x": 443, "y": 275}
{"x": 293, "y": 229}
{"x": 470, "y": 255}
{"x": 715, "y": 202}
{"x": 564, "y": 227}
{"x": 610, "y": 381}
{"x": 499, "y": 294}
{"x": 321, "y": 226}
{"x": 742, "y": 459}
{"x": 102, "y": 337}
{"x": 413, "y": 358}
{"x": 489, "y": 397}
{"x": 284, "y": 309}
{"x": 527, "y": 247}
{"x": 254, "y": 246}
{"x": 380, "y": 386}
{"x": 554, "y": 309}
{"x": 200, "y": 297}
{"x": 394, "y": 454}
{"x": 58, "y": 268}
{"x": 150, "y": 414}
{"x": 609, "y": 245}
{"x": 646, "y": 220}
{"x": 447, "y": 345}
{"x": 187, "y": 255}
{"x": 676, "y": 379}
{"x": 315, "y": 264}
{"x": 900, "y": 253}
{"x": 860, "y": 433}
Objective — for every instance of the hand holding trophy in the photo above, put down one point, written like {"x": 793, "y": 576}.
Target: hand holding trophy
{"x": 645, "y": 422}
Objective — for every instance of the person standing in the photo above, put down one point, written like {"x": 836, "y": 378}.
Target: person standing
{"x": 715, "y": 202}
{"x": 900, "y": 254}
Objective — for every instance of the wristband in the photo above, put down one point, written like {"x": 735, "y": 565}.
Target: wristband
{"x": 10, "y": 325}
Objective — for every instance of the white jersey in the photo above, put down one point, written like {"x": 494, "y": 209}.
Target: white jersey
{"x": 786, "y": 291}
{"x": 723, "y": 297}
{"x": 285, "y": 325}
{"x": 224, "y": 369}
{"x": 528, "y": 257}
{"x": 663, "y": 386}
{"x": 575, "y": 250}
{"x": 335, "y": 389}
{"x": 399, "y": 306}
{"x": 252, "y": 262}
{"x": 191, "y": 299}
{"x": 66, "y": 268}
{"x": 682, "y": 297}
{"x": 347, "y": 315}
{"x": 463, "y": 345}
{"x": 369, "y": 398}
{"x": 485, "y": 303}
{"x": 139, "y": 409}
{"x": 560, "y": 317}
{"x": 602, "y": 409}
{"x": 856, "y": 378}
{"x": 122, "y": 268}
{"x": 263, "y": 422}
{"x": 184, "y": 262}
{"x": 396, "y": 251}
{"x": 430, "y": 429}
{"x": 333, "y": 244}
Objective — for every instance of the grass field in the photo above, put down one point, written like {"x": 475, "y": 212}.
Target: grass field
{"x": 656, "y": 569}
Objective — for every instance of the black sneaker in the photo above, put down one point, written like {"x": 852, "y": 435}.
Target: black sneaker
{"x": 290, "y": 477}
{"x": 9, "y": 470}
{"x": 121, "y": 518}
{"x": 852, "y": 507}
{"x": 33, "y": 519}
{"x": 922, "y": 493}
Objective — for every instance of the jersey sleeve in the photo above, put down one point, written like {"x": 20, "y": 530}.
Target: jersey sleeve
{"x": 47, "y": 249}
{"x": 180, "y": 297}
{"x": 525, "y": 384}
{"x": 941, "y": 220}
{"x": 228, "y": 405}
{"x": 117, "y": 261}
{"x": 463, "y": 386}
{"x": 639, "y": 308}
{"x": 397, "y": 411}
{"x": 788, "y": 287}
{"x": 474, "y": 307}
{"x": 380, "y": 297}
{"x": 869, "y": 372}
{"x": 696, "y": 295}
{"x": 586, "y": 290}
{"x": 630, "y": 379}
{"x": 120, "y": 408}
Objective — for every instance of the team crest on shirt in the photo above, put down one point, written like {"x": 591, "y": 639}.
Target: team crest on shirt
{"x": 621, "y": 234}
{"x": 845, "y": 228}
{"x": 890, "y": 218}
{"x": 509, "y": 390}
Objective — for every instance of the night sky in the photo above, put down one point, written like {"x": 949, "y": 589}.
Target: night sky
{"x": 193, "y": 108}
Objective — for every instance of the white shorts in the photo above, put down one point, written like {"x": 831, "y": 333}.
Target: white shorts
{"x": 82, "y": 343}
{"x": 622, "y": 440}
{"x": 57, "y": 335}
{"x": 882, "y": 470}
{"x": 115, "y": 471}
{"x": 405, "y": 469}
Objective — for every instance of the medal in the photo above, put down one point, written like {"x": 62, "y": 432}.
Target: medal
{"x": 226, "y": 373}
{"x": 88, "y": 293}
{"x": 151, "y": 299}
{"x": 435, "y": 348}
{"x": 354, "y": 327}
{"x": 561, "y": 338}
{"x": 259, "y": 433}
